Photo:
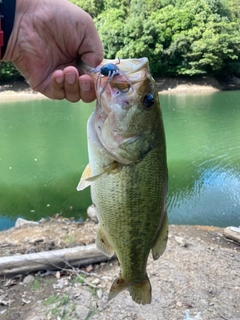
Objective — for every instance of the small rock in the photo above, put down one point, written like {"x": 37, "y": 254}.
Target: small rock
{"x": 99, "y": 293}
{"x": 89, "y": 268}
{"x": 5, "y": 302}
{"x": 24, "y": 301}
{"x": 181, "y": 241}
{"x": 232, "y": 233}
{"x": 61, "y": 283}
{"x": 82, "y": 312}
{"x": 20, "y": 222}
{"x": 3, "y": 311}
{"x": 96, "y": 281}
{"x": 28, "y": 279}
{"x": 107, "y": 278}
{"x": 91, "y": 212}
{"x": 179, "y": 304}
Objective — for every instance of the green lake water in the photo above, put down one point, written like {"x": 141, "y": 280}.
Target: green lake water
{"x": 43, "y": 151}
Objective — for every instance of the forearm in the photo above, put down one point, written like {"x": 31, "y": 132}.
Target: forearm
{"x": 7, "y": 21}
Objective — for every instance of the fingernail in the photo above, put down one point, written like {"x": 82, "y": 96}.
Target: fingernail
{"x": 59, "y": 80}
{"x": 85, "y": 85}
{"x": 70, "y": 78}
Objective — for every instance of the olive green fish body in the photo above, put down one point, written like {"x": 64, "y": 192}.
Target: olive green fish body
{"x": 129, "y": 182}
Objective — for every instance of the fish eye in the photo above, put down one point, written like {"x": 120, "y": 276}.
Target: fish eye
{"x": 148, "y": 100}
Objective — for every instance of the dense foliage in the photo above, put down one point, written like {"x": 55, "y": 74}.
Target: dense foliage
{"x": 8, "y": 72}
{"x": 180, "y": 37}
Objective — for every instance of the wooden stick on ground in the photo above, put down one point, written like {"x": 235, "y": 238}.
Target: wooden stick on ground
{"x": 51, "y": 260}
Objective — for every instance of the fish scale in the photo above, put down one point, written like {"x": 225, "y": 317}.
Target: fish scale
{"x": 126, "y": 201}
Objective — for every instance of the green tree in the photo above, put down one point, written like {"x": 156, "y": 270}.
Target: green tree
{"x": 234, "y": 9}
{"x": 216, "y": 51}
{"x": 93, "y": 7}
{"x": 109, "y": 25}
{"x": 8, "y": 72}
{"x": 117, "y": 4}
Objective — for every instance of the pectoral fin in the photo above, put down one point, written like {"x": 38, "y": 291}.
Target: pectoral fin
{"x": 103, "y": 244}
{"x": 87, "y": 178}
{"x": 84, "y": 183}
{"x": 161, "y": 239}
{"x": 114, "y": 167}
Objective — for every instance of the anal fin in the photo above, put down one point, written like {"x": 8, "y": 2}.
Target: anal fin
{"x": 103, "y": 244}
{"x": 161, "y": 239}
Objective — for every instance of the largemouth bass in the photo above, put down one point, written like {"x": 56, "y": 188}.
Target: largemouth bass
{"x": 128, "y": 171}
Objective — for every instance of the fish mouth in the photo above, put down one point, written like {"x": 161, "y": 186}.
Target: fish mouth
{"x": 127, "y": 72}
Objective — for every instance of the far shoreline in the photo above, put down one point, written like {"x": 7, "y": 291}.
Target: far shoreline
{"x": 20, "y": 90}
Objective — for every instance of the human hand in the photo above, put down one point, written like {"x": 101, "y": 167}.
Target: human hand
{"x": 48, "y": 38}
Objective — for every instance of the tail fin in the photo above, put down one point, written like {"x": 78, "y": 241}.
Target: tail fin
{"x": 141, "y": 292}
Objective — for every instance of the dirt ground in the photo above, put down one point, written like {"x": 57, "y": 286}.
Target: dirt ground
{"x": 196, "y": 278}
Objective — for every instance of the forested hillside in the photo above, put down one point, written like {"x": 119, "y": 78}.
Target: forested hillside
{"x": 180, "y": 37}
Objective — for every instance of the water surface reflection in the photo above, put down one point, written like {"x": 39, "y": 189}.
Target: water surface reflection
{"x": 203, "y": 157}
{"x": 43, "y": 152}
